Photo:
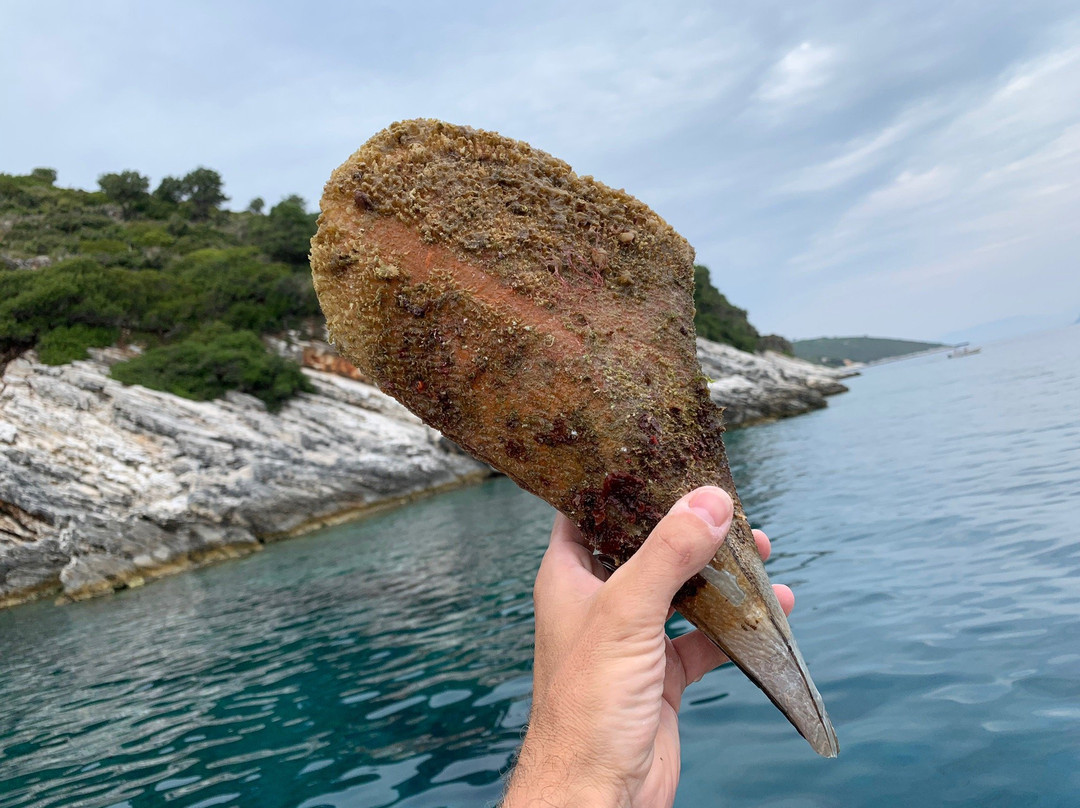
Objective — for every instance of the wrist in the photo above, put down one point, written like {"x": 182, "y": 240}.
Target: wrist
{"x": 528, "y": 789}
{"x": 552, "y": 774}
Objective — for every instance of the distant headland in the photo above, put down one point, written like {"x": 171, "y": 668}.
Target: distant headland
{"x": 842, "y": 351}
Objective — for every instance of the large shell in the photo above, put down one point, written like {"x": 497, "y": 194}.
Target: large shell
{"x": 544, "y": 322}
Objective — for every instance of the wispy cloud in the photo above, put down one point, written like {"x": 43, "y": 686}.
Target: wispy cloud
{"x": 974, "y": 177}
{"x": 796, "y": 78}
{"x": 864, "y": 154}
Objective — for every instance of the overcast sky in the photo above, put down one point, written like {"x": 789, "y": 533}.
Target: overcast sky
{"x": 895, "y": 168}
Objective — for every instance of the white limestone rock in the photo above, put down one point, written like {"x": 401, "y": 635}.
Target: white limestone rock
{"x": 763, "y": 387}
{"x": 103, "y": 485}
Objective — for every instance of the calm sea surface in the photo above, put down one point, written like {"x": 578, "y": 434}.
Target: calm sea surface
{"x": 929, "y": 522}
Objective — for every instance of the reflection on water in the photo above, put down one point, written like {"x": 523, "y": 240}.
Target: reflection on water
{"x": 927, "y": 521}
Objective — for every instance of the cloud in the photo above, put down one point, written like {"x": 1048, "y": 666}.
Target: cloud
{"x": 865, "y": 153}
{"x": 973, "y": 180}
{"x": 797, "y": 77}
{"x": 581, "y": 89}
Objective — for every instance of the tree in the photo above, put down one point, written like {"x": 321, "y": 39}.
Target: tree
{"x": 128, "y": 189}
{"x": 202, "y": 188}
{"x": 256, "y": 206}
{"x": 285, "y": 234}
{"x": 170, "y": 190}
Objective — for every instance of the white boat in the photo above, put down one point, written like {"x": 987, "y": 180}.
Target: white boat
{"x": 963, "y": 350}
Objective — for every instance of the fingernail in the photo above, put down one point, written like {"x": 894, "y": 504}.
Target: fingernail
{"x": 711, "y": 504}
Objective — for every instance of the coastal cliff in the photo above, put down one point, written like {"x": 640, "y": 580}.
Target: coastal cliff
{"x": 105, "y": 486}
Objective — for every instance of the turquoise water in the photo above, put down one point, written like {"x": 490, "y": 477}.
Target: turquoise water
{"x": 928, "y": 522}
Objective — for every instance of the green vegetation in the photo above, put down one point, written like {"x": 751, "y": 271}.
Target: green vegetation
{"x": 69, "y": 342}
{"x": 717, "y": 319}
{"x": 168, "y": 270}
{"x": 212, "y": 361}
{"x": 285, "y": 234}
{"x": 835, "y": 351}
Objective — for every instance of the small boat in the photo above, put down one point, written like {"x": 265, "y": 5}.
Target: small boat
{"x": 963, "y": 351}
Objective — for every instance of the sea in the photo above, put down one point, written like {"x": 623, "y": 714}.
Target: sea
{"x": 928, "y": 521}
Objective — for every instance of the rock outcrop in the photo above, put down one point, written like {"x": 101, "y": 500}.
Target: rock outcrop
{"x": 104, "y": 486}
{"x": 37, "y": 262}
{"x": 763, "y": 387}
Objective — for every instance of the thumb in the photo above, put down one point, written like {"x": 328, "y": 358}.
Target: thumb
{"x": 680, "y": 545}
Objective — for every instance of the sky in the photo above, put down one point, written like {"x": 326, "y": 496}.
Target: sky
{"x": 905, "y": 169}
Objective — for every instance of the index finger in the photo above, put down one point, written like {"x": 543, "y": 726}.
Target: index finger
{"x": 764, "y": 546}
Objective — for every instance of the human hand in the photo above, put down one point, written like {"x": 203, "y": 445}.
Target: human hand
{"x": 607, "y": 680}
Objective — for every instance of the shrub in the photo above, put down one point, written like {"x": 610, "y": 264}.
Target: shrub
{"x": 151, "y": 237}
{"x": 102, "y": 246}
{"x": 83, "y": 292}
{"x": 240, "y": 289}
{"x": 78, "y": 220}
{"x": 68, "y": 343}
{"x": 175, "y": 265}
{"x": 192, "y": 236}
{"x": 14, "y": 335}
{"x": 210, "y": 362}
{"x": 52, "y": 297}
{"x": 234, "y": 286}
{"x": 21, "y": 193}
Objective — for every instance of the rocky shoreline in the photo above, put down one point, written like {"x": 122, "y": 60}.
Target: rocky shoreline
{"x": 104, "y": 486}
{"x": 755, "y": 388}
